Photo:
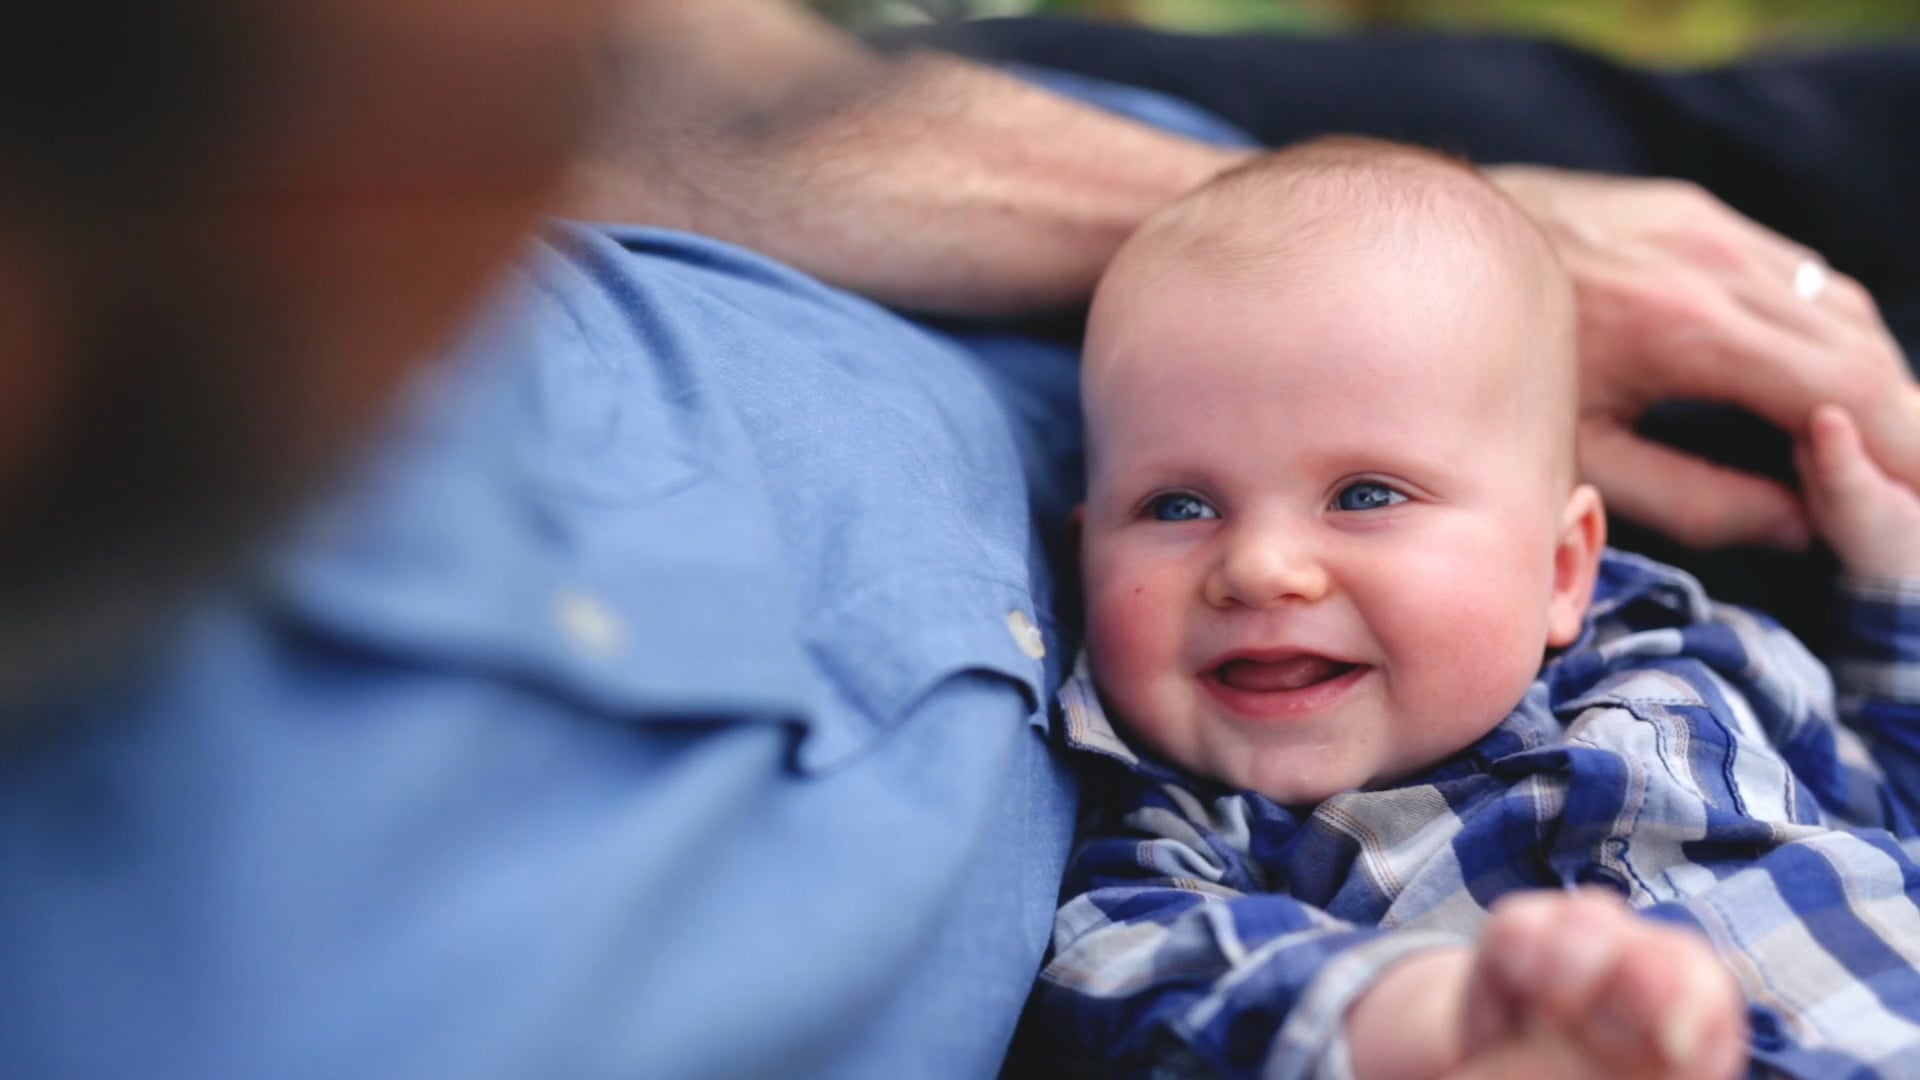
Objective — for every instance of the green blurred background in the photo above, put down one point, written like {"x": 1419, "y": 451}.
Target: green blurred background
{"x": 1681, "y": 32}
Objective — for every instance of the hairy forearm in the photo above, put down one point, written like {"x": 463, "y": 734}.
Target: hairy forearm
{"x": 924, "y": 181}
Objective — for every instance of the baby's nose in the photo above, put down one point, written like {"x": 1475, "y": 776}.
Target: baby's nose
{"x": 1266, "y": 568}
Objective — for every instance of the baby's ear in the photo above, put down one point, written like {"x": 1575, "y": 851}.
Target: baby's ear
{"x": 1576, "y": 562}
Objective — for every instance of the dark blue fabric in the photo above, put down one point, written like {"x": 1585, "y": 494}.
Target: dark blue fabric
{"x": 1690, "y": 756}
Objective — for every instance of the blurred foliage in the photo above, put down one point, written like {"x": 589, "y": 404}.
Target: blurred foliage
{"x": 1669, "y": 31}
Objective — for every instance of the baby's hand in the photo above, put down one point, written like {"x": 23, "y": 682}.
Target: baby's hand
{"x": 1871, "y": 521}
{"x": 1576, "y": 984}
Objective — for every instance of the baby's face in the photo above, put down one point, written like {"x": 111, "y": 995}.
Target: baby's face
{"x": 1322, "y": 538}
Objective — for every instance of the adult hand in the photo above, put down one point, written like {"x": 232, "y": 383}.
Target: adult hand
{"x": 1682, "y": 297}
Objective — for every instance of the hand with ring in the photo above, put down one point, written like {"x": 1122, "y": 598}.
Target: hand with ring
{"x": 1810, "y": 278}
{"x": 1682, "y": 297}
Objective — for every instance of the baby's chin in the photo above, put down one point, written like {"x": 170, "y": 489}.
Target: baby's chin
{"x": 1307, "y": 776}
{"x": 1303, "y": 792}
{"x": 1302, "y": 779}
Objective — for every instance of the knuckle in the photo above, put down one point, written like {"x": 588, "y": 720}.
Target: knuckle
{"x": 1850, "y": 294}
{"x": 1685, "y": 193}
{"x": 1681, "y": 303}
{"x": 1651, "y": 291}
{"x": 1714, "y": 248}
{"x": 1704, "y": 205}
{"x": 1858, "y": 384}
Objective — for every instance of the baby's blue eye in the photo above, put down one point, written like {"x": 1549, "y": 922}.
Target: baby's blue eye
{"x": 1367, "y": 495}
{"x": 1180, "y": 508}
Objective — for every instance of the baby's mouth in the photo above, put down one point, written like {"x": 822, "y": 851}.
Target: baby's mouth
{"x": 1274, "y": 676}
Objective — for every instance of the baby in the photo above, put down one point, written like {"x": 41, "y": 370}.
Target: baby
{"x": 1364, "y": 668}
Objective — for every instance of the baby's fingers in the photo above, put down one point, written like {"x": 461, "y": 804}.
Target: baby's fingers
{"x": 1871, "y": 521}
{"x": 1669, "y": 1009}
{"x": 1834, "y": 464}
{"x": 1554, "y": 950}
{"x": 1635, "y": 998}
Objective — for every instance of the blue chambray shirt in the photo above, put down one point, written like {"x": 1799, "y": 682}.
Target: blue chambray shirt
{"x": 669, "y": 701}
{"x": 668, "y": 698}
{"x": 1690, "y": 755}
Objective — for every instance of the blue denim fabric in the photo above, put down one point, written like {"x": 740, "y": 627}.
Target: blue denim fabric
{"x": 660, "y": 700}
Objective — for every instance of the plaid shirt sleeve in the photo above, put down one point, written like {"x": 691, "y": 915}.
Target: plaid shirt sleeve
{"x": 1757, "y": 811}
{"x": 1876, "y": 666}
{"x": 1755, "y": 807}
{"x": 1164, "y": 966}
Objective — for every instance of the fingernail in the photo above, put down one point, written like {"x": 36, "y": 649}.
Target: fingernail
{"x": 1519, "y": 956}
{"x": 1679, "y": 1037}
{"x": 1519, "y": 962}
{"x": 1581, "y": 959}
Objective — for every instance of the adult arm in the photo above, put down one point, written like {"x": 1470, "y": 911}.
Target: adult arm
{"x": 924, "y": 181}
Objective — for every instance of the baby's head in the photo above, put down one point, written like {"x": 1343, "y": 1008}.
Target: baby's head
{"x": 1332, "y": 520}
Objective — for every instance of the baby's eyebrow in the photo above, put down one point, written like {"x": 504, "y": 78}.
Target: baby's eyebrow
{"x": 1176, "y": 474}
{"x": 1159, "y": 458}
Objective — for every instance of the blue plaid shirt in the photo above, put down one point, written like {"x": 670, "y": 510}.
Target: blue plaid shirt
{"x": 1690, "y": 755}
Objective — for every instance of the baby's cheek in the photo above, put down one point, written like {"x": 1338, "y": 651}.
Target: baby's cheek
{"x": 1476, "y": 652}
{"x": 1134, "y": 631}
{"x": 1121, "y": 626}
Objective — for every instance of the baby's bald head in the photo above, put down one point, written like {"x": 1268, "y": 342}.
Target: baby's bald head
{"x": 1273, "y": 225}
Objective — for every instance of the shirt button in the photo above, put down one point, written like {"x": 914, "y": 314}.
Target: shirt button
{"x": 587, "y": 623}
{"x": 1026, "y": 635}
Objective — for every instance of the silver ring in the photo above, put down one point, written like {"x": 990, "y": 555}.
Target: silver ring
{"x": 1809, "y": 279}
